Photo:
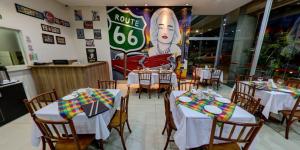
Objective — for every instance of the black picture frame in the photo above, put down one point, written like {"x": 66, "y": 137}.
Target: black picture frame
{"x": 50, "y": 29}
{"x": 91, "y": 55}
{"x": 30, "y": 12}
{"x": 89, "y": 43}
{"x": 60, "y": 40}
{"x": 80, "y": 33}
{"x": 47, "y": 38}
{"x": 97, "y": 34}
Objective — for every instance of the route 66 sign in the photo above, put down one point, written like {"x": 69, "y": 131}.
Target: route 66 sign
{"x": 126, "y": 30}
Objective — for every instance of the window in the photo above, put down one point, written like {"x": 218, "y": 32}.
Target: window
{"x": 10, "y": 48}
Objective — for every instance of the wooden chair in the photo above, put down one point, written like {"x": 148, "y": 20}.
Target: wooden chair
{"x": 39, "y": 102}
{"x": 64, "y": 140}
{"x": 245, "y": 88}
{"x": 291, "y": 116}
{"x": 120, "y": 118}
{"x": 248, "y": 102}
{"x": 112, "y": 84}
{"x": 215, "y": 77}
{"x": 164, "y": 81}
{"x": 145, "y": 79}
{"x": 292, "y": 82}
{"x": 195, "y": 77}
{"x": 231, "y": 140}
{"x": 170, "y": 125}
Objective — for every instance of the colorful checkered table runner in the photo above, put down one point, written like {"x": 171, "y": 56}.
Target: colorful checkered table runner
{"x": 198, "y": 105}
{"x": 70, "y": 108}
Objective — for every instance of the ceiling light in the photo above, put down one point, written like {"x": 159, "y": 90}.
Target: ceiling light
{"x": 197, "y": 31}
{"x": 186, "y": 4}
{"x": 125, "y": 4}
{"x": 146, "y": 4}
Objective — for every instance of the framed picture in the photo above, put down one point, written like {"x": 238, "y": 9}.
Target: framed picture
{"x": 88, "y": 24}
{"x": 44, "y": 27}
{"x": 89, "y": 42}
{"x": 91, "y": 54}
{"x": 30, "y": 12}
{"x": 95, "y": 15}
{"x": 78, "y": 14}
{"x": 47, "y": 38}
{"x": 97, "y": 34}
{"x": 50, "y": 28}
{"x": 80, "y": 33}
{"x": 60, "y": 40}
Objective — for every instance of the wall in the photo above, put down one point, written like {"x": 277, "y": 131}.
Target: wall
{"x": 102, "y": 46}
{"x": 30, "y": 26}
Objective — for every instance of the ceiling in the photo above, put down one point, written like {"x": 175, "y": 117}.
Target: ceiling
{"x": 200, "y": 7}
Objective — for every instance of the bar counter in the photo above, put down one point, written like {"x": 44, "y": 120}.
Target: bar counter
{"x": 66, "y": 78}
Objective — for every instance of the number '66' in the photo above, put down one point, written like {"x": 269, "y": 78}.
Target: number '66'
{"x": 119, "y": 37}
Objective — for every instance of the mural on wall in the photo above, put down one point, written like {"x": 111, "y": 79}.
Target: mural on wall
{"x": 148, "y": 37}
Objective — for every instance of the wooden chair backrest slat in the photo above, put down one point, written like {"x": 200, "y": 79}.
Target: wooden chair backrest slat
{"x": 236, "y": 134}
{"x": 110, "y": 84}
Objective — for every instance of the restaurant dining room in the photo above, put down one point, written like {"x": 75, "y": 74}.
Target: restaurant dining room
{"x": 149, "y": 74}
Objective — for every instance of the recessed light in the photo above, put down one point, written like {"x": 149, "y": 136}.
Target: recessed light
{"x": 146, "y": 4}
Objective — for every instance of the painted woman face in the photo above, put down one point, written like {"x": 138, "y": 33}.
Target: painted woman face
{"x": 166, "y": 27}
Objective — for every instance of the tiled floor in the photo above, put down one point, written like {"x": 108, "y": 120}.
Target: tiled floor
{"x": 146, "y": 117}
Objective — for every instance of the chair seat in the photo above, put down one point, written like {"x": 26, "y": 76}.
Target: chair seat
{"x": 115, "y": 122}
{"x": 84, "y": 141}
{"x": 224, "y": 146}
{"x": 288, "y": 112}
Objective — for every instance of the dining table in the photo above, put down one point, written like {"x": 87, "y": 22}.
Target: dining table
{"x": 83, "y": 124}
{"x": 133, "y": 77}
{"x": 194, "y": 127}
{"x": 273, "y": 99}
{"x": 205, "y": 74}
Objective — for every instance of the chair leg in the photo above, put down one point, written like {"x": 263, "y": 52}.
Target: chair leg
{"x": 149, "y": 92}
{"x": 140, "y": 90}
{"x": 158, "y": 92}
{"x": 168, "y": 139}
{"x": 44, "y": 143}
{"x": 165, "y": 127}
{"x": 287, "y": 129}
{"x": 122, "y": 139}
{"x": 128, "y": 125}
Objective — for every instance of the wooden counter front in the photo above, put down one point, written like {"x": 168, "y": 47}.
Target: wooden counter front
{"x": 66, "y": 78}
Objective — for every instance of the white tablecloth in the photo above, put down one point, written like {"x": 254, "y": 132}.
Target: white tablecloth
{"x": 96, "y": 125}
{"x": 274, "y": 101}
{"x": 133, "y": 78}
{"x": 206, "y": 74}
{"x": 194, "y": 128}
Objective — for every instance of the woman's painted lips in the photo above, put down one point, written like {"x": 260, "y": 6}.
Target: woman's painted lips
{"x": 164, "y": 37}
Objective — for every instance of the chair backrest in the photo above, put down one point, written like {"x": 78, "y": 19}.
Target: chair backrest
{"x": 165, "y": 78}
{"x": 296, "y": 107}
{"x": 40, "y": 101}
{"x": 57, "y": 131}
{"x": 123, "y": 108}
{"x": 215, "y": 74}
{"x": 292, "y": 82}
{"x": 244, "y": 87}
{"x": 110, "y": 84}
{"x": 238, "y": 132}
{"x": 145, "y": 78}
{"x": 246, "y": 101}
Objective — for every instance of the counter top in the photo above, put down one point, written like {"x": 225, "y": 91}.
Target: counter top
{"x": 65, "y": 66}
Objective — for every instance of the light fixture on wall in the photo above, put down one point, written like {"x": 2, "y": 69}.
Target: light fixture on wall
{"x": 146, "y": 4}
{"x": 197, "y": 31}
{"x": 186, "y": 4}
{"x": 125, "y": 4}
